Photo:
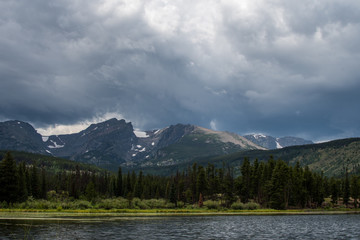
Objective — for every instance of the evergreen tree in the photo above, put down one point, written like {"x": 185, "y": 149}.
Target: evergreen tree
{"x": 355, "y": 189}
{"x": 43, "y": 189}
{"x": 23, "y": 192}
{"x": 346, "y": 193}
{"x": 334, "y": 186}
{"x": 201, "y": 184}
{"x": 28, "y": 181}
{"x": 172, "y": 196}
{"x": 193, "y": 182}
{"x": 229, "y": 188}
{"x": 279, "y": 186}
{"x": 119, "y": 183}
{"x": 308, "y": 186}
{"x": 127, "y": 185}
{"x": 298, "y": 190}
{"x": 9, "y": 185}
{"x": 35, "y": 186}
{"x": 255, "y": 179}
{"x": 139, "y": 186}
{"x": 246, "y": 181}
{"x": 90, "y": 191}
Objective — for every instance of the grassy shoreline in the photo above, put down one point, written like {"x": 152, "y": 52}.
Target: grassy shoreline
{"x": 114, "y": 214}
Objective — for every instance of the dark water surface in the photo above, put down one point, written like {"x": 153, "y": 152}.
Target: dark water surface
{"x": 209, "y": 227}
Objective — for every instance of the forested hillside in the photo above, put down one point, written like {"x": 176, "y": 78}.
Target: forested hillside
{"x": 271, "y": 184}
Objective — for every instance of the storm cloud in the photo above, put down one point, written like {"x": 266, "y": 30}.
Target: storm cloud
{"x": 277, "y": 67}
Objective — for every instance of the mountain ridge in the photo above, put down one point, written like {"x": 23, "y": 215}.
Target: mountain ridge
{"x": 115, "y": 142}
{"x": 270, "y": 142}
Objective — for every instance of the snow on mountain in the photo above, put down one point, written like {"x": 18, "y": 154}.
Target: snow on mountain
{"x": 140, "y": 134}
{"x": 270, "y": 142}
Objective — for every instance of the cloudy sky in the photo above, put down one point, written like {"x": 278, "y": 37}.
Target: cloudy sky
{"x": 279, "y": 67}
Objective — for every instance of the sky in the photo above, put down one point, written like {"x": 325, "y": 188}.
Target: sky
{"x": 278, "y": 67}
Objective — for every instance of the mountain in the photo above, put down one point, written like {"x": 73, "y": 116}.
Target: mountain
{"x": 188, "y": 142}
{"x": 21, "y": 136}
{"x": 106, "y": 143}
{"x": 270, "y": 142}
{"x": 115, "y": 142}
{"x": 330, "y": 158}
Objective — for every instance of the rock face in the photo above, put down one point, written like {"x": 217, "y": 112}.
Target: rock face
{"x": 270, "y": 142}
{"x": 115, "y": 142}
{"x": 20, "y": 136}
{"x": 104, "y": 143}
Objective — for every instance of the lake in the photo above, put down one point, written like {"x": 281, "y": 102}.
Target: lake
{"x": 193, "y": 227}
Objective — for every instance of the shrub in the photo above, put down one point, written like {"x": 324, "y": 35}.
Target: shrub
{"x": 156, "y": 203}
{"x": 210, "y": 204}
{"x": 238, "y": 206}
{"x": 81, "y": 204}
{"x": 4, "y": 204}
{"x": 114, "y": 203}
{"x": 137, "y": 203}
{"x": 252, "y": 206}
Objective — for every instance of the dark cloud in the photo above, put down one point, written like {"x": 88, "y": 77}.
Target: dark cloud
{"x": 278, "y": 67}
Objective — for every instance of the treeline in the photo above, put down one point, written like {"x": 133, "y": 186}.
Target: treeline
{"x": 272, "y": 184}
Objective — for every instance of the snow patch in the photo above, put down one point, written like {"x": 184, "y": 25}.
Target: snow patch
{"x": 143, "y": 150}
{"x": 152, "y": 144}
{"x": 259, "y": 135}
{"x": 157, "y": 131}
{"x": 140, "y": 134}
{"x": 45, "y": 138}
{"x": 134, "y": 155}
{"x": 278, "y": 145}
{"x": 18, "y": 122}
{"x": 147, "y": 156}
{"x": 48, "y": 151}
{"x": 138, "y": 146}
{"x": 55, "y": 145}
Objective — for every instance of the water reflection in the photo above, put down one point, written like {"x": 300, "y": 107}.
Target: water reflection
{"x": 212, "y": 227}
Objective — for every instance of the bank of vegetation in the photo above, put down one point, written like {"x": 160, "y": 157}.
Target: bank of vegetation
{"x": 272, "y": 184}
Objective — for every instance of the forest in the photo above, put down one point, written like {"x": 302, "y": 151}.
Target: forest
{"x": 272, "y": 184}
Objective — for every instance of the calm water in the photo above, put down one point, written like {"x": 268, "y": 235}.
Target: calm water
{"x": 212, "y": 227}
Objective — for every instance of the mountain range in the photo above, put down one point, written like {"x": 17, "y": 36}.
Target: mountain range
{"x": 115, "y": 143}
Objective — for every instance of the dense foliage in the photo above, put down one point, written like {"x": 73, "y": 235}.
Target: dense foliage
{"x": 271, "y": 184}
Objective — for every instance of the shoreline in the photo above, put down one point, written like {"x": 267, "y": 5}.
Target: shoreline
{"x": 112, "y": 215}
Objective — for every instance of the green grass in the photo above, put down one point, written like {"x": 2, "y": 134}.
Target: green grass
{"x": 111, "y": 214}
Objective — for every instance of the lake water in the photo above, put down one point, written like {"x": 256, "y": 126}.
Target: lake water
{"x": 209, "y": 227}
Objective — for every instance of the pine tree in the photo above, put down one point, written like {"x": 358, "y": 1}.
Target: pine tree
{"x": 334, "y": 187}
{"x": 201, "y": 184}
{"x": 246, "y": 181}
{"x": 346, "y": 193}
{"x": 139, "y": 186}
{"x": 35, "y": 186}
{"x": 279, "y": 186}
{"x": 23, "y": 192}
{"x": 298, "y": 191}
{"x": 355, "y": 189}
{"x": 308, "y": 186}
{"x": 90, "y": 191}
{"x": 8, "y": 179}
{"x": 119, "y": 184}
{"x": 229, "y": 188}
{"x": 172, "y": 196}
{"x": 43, "y": 190}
